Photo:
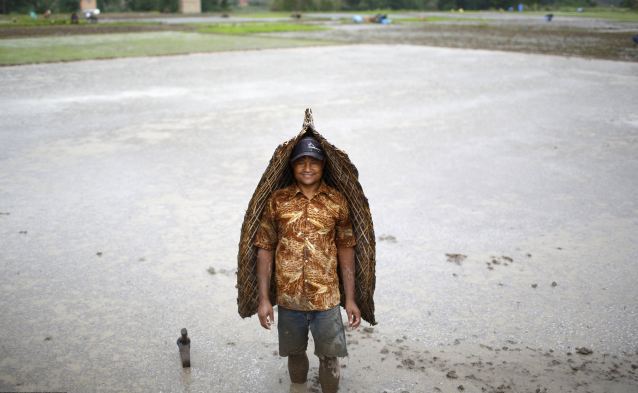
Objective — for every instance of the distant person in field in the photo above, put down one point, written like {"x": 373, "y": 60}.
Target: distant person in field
{"x": 306, "y": 234}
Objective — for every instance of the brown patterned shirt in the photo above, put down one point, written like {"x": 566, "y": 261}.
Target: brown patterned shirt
{"x": 305, "y": 234}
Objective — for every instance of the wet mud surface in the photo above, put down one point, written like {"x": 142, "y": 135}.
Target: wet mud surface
{"x": 501, "y": 198}
{"x": 591, "y": 41}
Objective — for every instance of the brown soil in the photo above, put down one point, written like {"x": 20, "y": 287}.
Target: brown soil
{"x": 104, "y": 28}
{"x": 600, "y": 44}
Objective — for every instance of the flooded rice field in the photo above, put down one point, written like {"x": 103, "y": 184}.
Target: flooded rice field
{"x": 501, "y": 186}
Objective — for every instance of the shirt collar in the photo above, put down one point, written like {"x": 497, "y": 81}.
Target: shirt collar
{"x": 294, "y": 189}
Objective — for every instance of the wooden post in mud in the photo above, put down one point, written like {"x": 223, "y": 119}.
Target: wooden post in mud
{"x": 184, "y": 345}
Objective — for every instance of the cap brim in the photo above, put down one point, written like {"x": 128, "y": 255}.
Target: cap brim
{"x": 310, "y": 154}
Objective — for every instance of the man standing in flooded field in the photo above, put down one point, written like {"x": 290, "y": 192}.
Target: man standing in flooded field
{"x": 305, "y": 231}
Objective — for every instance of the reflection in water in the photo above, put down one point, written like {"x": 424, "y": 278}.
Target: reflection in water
{"x": 298, "y": 387}
{"x": 185, "y": 378}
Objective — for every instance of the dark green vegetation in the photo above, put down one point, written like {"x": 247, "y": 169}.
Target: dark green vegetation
{"x": 168, "y": 6}
{"x": 39, "y": 6}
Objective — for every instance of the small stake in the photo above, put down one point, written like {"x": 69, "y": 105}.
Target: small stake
{"x": 184, "y": 345}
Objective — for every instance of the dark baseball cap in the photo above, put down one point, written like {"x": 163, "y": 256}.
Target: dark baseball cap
{"x": 307, "y": 146}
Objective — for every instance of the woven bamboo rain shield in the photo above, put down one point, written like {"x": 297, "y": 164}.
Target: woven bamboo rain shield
{"x": 339, "y": 173}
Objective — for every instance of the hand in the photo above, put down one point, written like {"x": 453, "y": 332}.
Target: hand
{"x": 354, "y": 315}
{"x": 265, "y": 314}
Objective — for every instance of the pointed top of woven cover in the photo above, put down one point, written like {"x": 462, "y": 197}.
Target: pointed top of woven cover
{"x": 339, "y": 173}
{"x": 308, "y": 122}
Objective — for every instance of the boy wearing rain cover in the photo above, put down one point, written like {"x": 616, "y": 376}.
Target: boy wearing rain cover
{"x": 305, "y": 231}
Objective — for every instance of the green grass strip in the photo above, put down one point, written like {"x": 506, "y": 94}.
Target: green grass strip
{"x": 434, "y": 19}
{"x": 257, "y": 27}
{"x": 262, "y": 14}
{"x": 23, "y": 20}
{"x": 106, "y": 46}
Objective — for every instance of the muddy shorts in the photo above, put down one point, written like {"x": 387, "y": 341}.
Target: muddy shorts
{"x": 326, "y": 327}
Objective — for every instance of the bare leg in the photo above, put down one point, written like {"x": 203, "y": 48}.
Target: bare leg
{"x": 298, "y": 367}
{"x": 329, "y": 374}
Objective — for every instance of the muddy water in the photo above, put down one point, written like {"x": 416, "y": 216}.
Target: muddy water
{"x": 122, "y": 182}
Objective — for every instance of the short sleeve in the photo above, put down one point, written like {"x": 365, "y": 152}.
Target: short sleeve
{"x": 266, "y": 237}
{"x": 344, "y": 235}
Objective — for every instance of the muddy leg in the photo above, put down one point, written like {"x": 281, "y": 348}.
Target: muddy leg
{"x": 329, "y": 374}
{"x": 298, "y": 367}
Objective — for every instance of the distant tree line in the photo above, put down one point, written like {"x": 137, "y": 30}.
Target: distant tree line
{"x": 24, "y": 6}
{"x": 40, "y": 6}
{"x": 327, "y": 5}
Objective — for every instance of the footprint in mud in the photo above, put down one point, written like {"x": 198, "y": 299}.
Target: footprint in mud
{"x": 408, "y": 363}
{"x": 503, "y": 260}
{"x": 584, "y": 351}
{"x": 227, "y": 272}
{"x": 452, "y": 374}
{"x": 387, "y": 238}
{"x": 455, "y": 258}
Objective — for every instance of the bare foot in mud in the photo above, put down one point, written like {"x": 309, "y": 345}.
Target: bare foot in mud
{"x": 298, "y": 387}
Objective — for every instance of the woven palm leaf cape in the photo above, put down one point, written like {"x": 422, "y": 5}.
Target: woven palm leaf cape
{"x": 339, "y": 173}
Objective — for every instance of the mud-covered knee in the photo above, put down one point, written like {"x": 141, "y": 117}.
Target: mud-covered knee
{"x": 330, "y": 363}
{"x": 328, "y": 359}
